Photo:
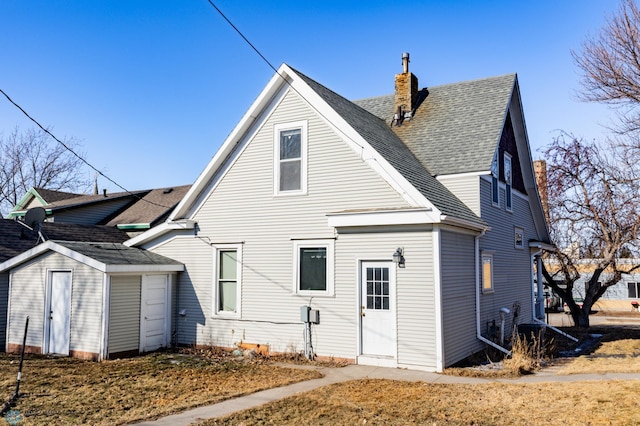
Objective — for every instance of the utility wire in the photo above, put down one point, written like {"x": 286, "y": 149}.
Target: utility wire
{"x": 281, "y": 76}
{"x": 75, "y": 154}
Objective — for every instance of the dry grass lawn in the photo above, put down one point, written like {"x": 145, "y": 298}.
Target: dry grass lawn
{"x": 70, "y": 391}
{"x": 388, "y": 402}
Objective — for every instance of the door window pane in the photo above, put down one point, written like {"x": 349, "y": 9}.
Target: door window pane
{"x": 378, "y": 288}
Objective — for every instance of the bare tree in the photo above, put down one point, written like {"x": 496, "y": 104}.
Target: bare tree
{"x": 610, "y": 65}
{"x": 594, "y": 219}
{"x": 31, "y": 159}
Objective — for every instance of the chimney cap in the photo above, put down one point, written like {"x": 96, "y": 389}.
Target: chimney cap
{"x": 405, "y": 55}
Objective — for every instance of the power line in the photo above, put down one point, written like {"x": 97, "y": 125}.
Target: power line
{"x": 255, "y": 49}
{"x": 74, "y": 153}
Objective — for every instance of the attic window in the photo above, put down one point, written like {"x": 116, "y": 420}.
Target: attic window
{"x": 290, "y": 162}
{"x": 507, "y": 179}
{"x": 495, "y": 191}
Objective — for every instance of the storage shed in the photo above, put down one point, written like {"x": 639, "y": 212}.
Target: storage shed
{"x": 90, "y": 300}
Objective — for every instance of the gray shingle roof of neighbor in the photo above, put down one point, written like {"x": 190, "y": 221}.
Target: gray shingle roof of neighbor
{"x": 457, "y": 127}
{"x": 16, "y": 237}
{"x": 51, "y": 196}
{"x": 152, "y": 207}
{"x": 382, "y": 138}
{"x": 117, "y": 254}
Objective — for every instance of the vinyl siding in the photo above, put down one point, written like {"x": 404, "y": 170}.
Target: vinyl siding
{"x": 124, "y": 314}
{"x": 28, "y": 290}
{"x": 513, "y": 272}
{"x": 92, "y": 214}
{"x": 458, "y": 296}
{"x": 466, "y": 188}
{"x": 415, "y": 308}
{"x": 4, "y": 299}
{"x": 243, "y": 209}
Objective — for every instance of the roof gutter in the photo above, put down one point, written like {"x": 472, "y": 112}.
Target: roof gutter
{"x": 463, "y": 223}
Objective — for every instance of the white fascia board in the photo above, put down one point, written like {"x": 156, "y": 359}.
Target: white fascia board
{"x": 236, "y": 135}
{"x": 50, "y": 246}
{"x": 379, "y": 218}
{"x": 160, "y": 230}
{"x": 143, "y": 268}
{"x": 464, "y": 223}
{"x": 359, "y": 145}
{"x": 461, "y": 175}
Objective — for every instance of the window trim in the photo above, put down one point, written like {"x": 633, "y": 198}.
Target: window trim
{"x": 518, "y": 230}
{"x": 508, "y": 182}
{"x": 277, "y": 129}
{"x": 486, "y": 255}
{"x": 217, "y": 249}
{"x": 330, "y": 272}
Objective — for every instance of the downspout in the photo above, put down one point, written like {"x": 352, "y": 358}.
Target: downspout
{"x": 477, "y": 273}
{"x": 105, "y": 318}
{"x": 438, "y": 298}
{"x": 538, "y": 260}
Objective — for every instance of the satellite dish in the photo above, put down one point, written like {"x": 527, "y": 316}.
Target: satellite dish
{"x": 34, "y": 215}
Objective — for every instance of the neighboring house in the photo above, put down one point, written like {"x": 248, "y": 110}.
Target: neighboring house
{"x": 408, "y": 221}
{"x": 133, "y": 211}
{"x": 85, "y": 293}
{"x": 150, "y": 210}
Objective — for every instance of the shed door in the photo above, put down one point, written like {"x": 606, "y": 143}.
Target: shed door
{"x": 377, "y": 309}
{"x": 59, "y": 310}
{"x": 154, "y": 312}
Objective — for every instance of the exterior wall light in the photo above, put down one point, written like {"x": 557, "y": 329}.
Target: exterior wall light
{"x": 398, "y": 257}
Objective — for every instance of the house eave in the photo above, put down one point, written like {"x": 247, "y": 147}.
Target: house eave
{"x": 157, "y": 231}
{"x": 381, "y": 218}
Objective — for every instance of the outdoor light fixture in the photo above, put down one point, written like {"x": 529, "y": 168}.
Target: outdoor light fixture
{"x": 398, "y": 257}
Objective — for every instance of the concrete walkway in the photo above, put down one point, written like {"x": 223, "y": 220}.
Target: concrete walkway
{"x": 354, "y": 372}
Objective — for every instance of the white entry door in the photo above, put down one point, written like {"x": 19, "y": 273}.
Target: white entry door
{"x": 377, "y": 309}
{"x": 154, "y": 312}
{"x": 59, "y": 310}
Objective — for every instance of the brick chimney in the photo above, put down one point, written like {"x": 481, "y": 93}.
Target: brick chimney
{"x": 540, "y": 170}
{"x": 406, "y": 89}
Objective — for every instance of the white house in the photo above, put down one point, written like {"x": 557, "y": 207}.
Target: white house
{"x": 411, "y": 222}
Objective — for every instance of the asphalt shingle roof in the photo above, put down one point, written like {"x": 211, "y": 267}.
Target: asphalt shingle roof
{"x": 457, "y": 127}
{"x": 152, "y": 208}
{"x": 387, "y": 143}
{"x": 117, "y": 254}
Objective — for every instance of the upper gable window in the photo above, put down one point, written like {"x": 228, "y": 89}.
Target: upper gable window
{"x": 290, "y": 163}
{"x": 495, "y": 190}
{"x": 508, "y": 174}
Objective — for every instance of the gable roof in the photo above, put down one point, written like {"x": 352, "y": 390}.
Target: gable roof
{"x": 151, "y": 209}
{"x": 469, "y": 115}
{"x": 41, "y": 196}
{"x": 105, "y": 257}
{"x": 387, "y": 143}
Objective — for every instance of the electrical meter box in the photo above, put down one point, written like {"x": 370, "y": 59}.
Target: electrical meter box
{"x": 304, "y": 313}
{"x": 309, "y": 315}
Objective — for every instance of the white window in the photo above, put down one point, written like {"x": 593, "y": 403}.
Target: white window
{"x": 495, "y": 171}
{"x": 487, "y": 272}
{"x": 314, "y": 267}
{"x": 290, "y": 158}
{"x": 508, "y": 175}
{"x": 518, "y": 237}
{"x": 227, "y": 283}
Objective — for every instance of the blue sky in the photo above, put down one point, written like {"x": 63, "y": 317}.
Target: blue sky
{"x": 152, "y": 88}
